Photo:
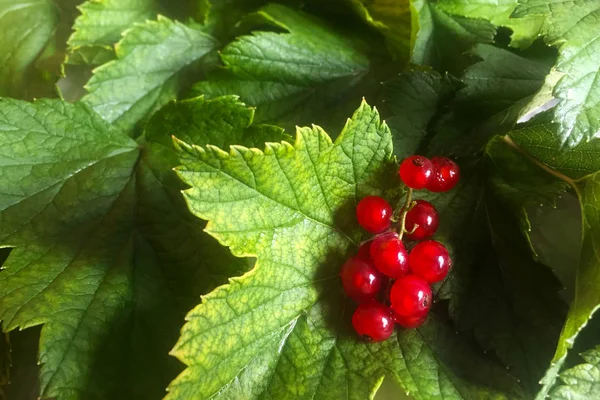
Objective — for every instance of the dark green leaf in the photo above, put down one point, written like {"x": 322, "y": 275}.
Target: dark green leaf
{"x": 27, "y": 27}
{"x": 540, "y": 139}
{"x": 497, "y": 89}
{"x": 393, "y": 19}
{"x": 413, "y": 99}
{"x": 574, "y": 28}
{"x": 441, "y": 39}
{"x": 308, "y": 74}
{"x": 148, "y": 70}
{"x": 105, "y": 253}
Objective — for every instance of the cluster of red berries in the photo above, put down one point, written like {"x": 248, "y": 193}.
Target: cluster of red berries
{"x": 384, "y": 271}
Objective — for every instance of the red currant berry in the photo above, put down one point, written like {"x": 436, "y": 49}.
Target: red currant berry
{"x": 360, "y": 279}
{"x": 411, "y": 296}
{"x": 430, "y": 260}
{"x": 373, "y": 321}
{"x": 364, "y": 251}
{"x": 425, "y": 217}
{"x": 409, "y": 322}
{"x": 445, "y": 175}
{"x": 373, "y": 214}
{"x": 389, "y": 255}
{"x": 416, "y": 172}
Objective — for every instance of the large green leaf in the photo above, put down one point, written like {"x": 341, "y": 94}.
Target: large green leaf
{"x": 105, "y": 253}
{"x": 283, "y": 329}
{"x": 393, "y": 19}
{"x": 308, "y": 74}
{"x": 574, "y": 27}
{"x": 148, "y": 70}
{"x": 524, "y": 30}
{"x": 100, "y": 26}
{"x": 581, "y": 382}
{"x": 27, "y": 27}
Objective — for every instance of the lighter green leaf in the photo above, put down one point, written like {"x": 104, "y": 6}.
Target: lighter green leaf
{"x": 283, "y": 330}
{"x": 222, "y": 122}
{"x": 147, "y": 72}
{"x": 305, "y": 75}
{"x": 524, "y": 30}
{"x": 393, "y": 19}
{"x": 581, "y": 382}
{"x": 27, "y": 26}
{"x": 574, "y": 27}
{"x": 101, "y": 25}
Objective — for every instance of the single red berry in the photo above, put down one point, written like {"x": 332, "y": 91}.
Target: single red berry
{"x": 389, "y": 255}
{"x": 360, "y": 279}
{"x": 373, "y": 321}
{"x": 364, "y": 251}
{"x": 373, "y": 214}
{"x": 409, "y": 322}
{"x": 416, "y": 172}
{"x": 425, "y": 217}
{"x": 430, "y": 260}
{"x": 446, "y": 174}
{"x": 411, "y": 296}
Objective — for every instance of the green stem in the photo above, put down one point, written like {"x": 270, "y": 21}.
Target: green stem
{"x": 405, "y": 210}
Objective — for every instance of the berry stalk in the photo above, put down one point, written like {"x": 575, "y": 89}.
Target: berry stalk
{"x": 407, "y": 206}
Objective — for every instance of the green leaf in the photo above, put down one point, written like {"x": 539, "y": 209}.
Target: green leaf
{"x": 148, "y": 70}
{"x": 393, "y": 19}
{"x": 413, "y": 99}
{"x": 105, "y": 253}
{"x": 101, "y": 25}
{"x": 525, "y": 343}
{"x": 27, "y": 27}
{"x": 540, "y": 139}
{"x": 308, "y": 74}
{"x": 496, "y": 91}
{"x": 222, "y": 122}
{"x": 442, "y": 38}
{"x": 573, "y": 27}
{"x": 524, "y": 30}
{"x": 582, "y": 381}
{"x": 283, "y": 329}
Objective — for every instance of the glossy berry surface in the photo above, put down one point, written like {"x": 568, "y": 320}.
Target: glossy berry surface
{"x": 373, "y": 214}
{"x": 424, "y": 216}
{"x": 409, "y": 322}
{"x": 373, "y": 321}
{"x": 416, "y": 172}
{"x": 411, "y": 296}
{"x": 446, "y": 175}
{"x": 430, "y": 260}
{"x": 389, "y": 255}
{"x": 361, "y": 280}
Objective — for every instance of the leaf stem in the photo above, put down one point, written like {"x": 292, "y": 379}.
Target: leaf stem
{"x": 405, "y": 209}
